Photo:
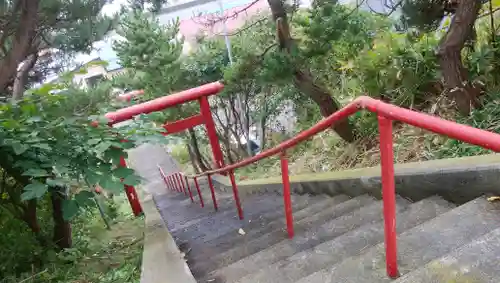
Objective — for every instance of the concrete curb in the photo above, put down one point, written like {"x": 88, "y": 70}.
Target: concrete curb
{"x": 162, "y": 261}
{"x": 457, "y": 179}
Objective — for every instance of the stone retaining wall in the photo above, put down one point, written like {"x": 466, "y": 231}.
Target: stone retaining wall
{"x": 457, "y": 180}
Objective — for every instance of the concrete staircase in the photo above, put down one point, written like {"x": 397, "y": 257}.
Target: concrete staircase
{"x": 337, "y": 239}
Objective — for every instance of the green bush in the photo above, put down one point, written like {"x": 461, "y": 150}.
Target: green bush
{"x": 487, "y": 118}
{"x": 180, "y": 153}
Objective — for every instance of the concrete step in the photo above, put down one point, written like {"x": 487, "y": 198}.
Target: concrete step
{"x": 417, "y": 246}
{"x": 226, "y": 206}
{"x": 346, "y": 245}
{"x": 256, "y": 244}
{"x": 268, "y": 211}
{"x": 313, "y": 236}
{"x": 207, "y": 228}
{"x": 475, "y": 262}
{"x": 177, "y": 213}
{"x": 205, "y": 251}
{"x": 182, "y": 199}
{"x": 259, "y": 224}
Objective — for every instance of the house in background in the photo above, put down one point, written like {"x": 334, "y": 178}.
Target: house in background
{"x": 95, "y": 71}
{"x": 196, "y": 17}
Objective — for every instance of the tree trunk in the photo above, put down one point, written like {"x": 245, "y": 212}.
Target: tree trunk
{"x": 262, "y": 133}
{"x": 303, "y": 79}
{"x": 262, "y": 126}
{"x": 21, "y": 41}
{"x": 193, "y": 159}
{"x": 456, "y": 80}
{"x": 326, "y": 103}
{"x": 62, "y": 228}
{"x": 30, "y": 217}
{"x": 225, "y": 140}
{"x": 238, "y": 123}
{"x": 196, "y": 150}
{"x": 21, "y": 79}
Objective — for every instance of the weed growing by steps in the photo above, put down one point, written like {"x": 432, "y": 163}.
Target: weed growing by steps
{"x": 486, "y": 118}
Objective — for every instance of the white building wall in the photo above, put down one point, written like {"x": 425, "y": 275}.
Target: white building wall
{"x": 91, "y": 71}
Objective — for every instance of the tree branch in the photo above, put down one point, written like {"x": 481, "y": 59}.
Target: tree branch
{"x": 489, "y": 13}
{"x": 392, "y": 7}
{"x": 212, "y": 19}
{"x": 244, "y": 28}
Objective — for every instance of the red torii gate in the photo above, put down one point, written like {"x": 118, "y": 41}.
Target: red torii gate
{"x": 201, "y": 94}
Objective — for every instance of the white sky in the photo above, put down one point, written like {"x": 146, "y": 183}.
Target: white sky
{"x": 108, "y": 9}
{"x": 114, "y": 7}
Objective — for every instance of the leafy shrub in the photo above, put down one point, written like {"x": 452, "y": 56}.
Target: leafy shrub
{"x": 180, "y": 153}
{"x": 486, "y": 118}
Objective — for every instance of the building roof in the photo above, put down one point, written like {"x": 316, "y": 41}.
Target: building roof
{"x": 236, "y": 18}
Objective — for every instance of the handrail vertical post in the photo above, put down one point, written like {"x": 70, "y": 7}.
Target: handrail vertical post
{"x": 388, "y": 194}
{"x": 212, "y": 191}
{"x": 286, "y": 194}
{"x": 176, "y": 181}
{"x": 173, "y": 183}
{"x": 131, "y": 193}
{"x": 236, "y": 194}
{"x": 211, "y": 131}
{"x": 189, "y": 188}
{"x": 199, "y": 192}
{"x": 163, "y": 177}
{"x": 181, "y": 183}
{"x": 183, "y": 186}
{"x": 169, "y": 178}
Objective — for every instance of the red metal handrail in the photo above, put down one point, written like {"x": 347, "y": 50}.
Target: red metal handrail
{"x": 434, "y": 124}
{"x": 164, "y": 102}
{"x": 386, "y": 114}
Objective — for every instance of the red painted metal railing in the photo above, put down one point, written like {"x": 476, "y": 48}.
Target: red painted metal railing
{"x": 386, "y": 114}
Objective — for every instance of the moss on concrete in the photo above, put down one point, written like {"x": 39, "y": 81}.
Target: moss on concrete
{"x": 448, "y": 274}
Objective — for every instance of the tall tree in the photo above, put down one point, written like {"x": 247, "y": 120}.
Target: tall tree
{"x": 302, "y": 77}
{"x": 292, "y": 58}
{"x": 427, "y": 15}
{"x": 34, "y": 29}
{"x": 32, "y": 34}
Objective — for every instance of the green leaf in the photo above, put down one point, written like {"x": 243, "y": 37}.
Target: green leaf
{"x": 34, "y": 190}
{"x": 42, "y": 146}
{"x": 34, "y": 119}
{"x": 62, "y": 168}
{"x": 115, "y": 154}
{"x": 123, "y": 172}
{"x": 128, "y": 145}
{"x": 56, "y": 182}
{"x": 84, "y": 199}
{"x": 103, "y": 120}
{"x": 102, "y": 147}
{"x": 94, "y": 141}
{"x": 92, "y": 177}
{"x": 19, "y": 148}
{"x": 111, "y": 184}
{"x": 25, "y": 164}
{"x": 35, "y": 172}
{"x": 46, "y": 88}
{"x": 132, "y": 180}
{"x": 70, "y": 209}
